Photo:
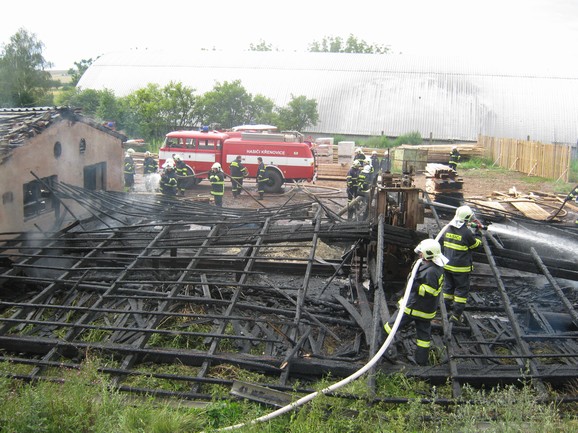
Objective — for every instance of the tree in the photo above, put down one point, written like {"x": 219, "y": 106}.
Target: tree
{"x": 299, "y": 114}
{"x": 179, "y": 106}
{"x": 81, "y": 67}
{"x": 88, "y": 100}
{"x": 23, "y": 79}
{"x": 262, "y": 110}
{"x": 335, "y": 44}
{"x": 261, "y": 46}
{"x": 153, "y": 111}
{"x": 227, "y": 105}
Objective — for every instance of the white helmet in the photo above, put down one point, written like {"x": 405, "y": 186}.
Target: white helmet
{"x": 147, "y": 153}
{"x": 430, "y": 250}
{"x": 358, "y": 150}
{"x": 130, "y": 151}
{"x": 374, "y": 152}
{"x": 464, "y": 213}
{"x": 356, "y": 163}
{"x": 169, "y": 164}
{"x": 216, "y": 166}
{"x": 177, "y": 157}
{"x": 367, "y": 169}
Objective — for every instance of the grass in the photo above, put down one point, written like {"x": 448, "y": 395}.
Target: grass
{"x": 86, "y": 401}
{"x": 484, "y": 168}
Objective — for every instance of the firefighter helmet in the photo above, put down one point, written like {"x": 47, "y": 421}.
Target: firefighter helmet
{"x": 147, "y": 153}
{"x": 464, "y": 213}
{"x": 356, "y": 163}
{"x": 177, "y": 157}
{"x": 358, "y": 150}
{"x": 367, "y": 169}
{"x": 430, "y": 250}
{"x": 130, "y": 151}
{"x": 238, "y": 158}
{"x": 374, "y": 152}
{"x": 169, "y": 163}
{"x": 216, "y": 166}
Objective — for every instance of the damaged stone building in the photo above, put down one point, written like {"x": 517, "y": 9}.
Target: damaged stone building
{"x": 42, "y": 146}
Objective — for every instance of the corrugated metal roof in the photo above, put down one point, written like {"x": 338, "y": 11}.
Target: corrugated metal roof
{"x": 370, "y": 94}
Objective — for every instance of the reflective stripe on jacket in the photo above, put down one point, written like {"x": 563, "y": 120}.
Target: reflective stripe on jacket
{"x": 217, "y": 183}
{"x": 458, "y": 244}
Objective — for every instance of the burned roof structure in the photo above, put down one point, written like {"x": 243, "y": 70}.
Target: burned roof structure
{"x": 152, "y": 281}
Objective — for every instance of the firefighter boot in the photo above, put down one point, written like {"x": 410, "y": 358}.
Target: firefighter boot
{"x": 422, "y": 356}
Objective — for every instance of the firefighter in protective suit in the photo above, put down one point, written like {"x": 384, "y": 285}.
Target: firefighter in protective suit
{"x": 454, "y": 158}
{"x": 150, "y": 168}
{"x": 182, "y": 171}
{"x": 238, "y": 173}
{"x": 364, "y": 180}
{"x": 129, "y": 170}
{"x": 424, "y": 297}
{"x": 262, "y": 178}
{"x": 168, "y": 181}
{"x": 458, "y": 243}
{"x": 352, "y": 179}
{"x": 217, "y": 179}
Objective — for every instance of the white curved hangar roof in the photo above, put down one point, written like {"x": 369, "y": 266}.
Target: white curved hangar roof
{"x": 372, "y": 94}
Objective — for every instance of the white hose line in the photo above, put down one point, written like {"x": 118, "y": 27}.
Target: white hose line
{"x": 348, "y": 379}
{"x": 359, "y": 372}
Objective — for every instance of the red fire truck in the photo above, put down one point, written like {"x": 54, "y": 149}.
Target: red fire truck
{"x": 286, "y": 158}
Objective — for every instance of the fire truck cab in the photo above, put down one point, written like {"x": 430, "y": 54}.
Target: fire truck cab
{"x": 285, "y": 161}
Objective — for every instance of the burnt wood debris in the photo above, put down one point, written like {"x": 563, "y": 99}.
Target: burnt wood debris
{"x": 149, "y": 280}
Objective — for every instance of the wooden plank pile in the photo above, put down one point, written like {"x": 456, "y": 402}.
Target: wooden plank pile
{"x": 332, "y": 171}
{"x": 537, "y": 206}
{"x": 444, "y": 184}
{"x": 440, "y": 153}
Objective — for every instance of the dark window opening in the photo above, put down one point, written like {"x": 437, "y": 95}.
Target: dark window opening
{"x": 57, "y": 149}
{"x": 95, "y": 177}
{"x": 82, "y": 145}
{"x": 38, "y": 198}
{"x": 7, "y": 197}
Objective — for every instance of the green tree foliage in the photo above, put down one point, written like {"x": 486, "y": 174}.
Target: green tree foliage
{"x": 179, "y": 106}
{"x": 336, "y": 44}
{"x": 23, "y": 79}
{"x": 261, "y": 46}
{"x": 153, "y": 111}
{"x": 262, "y": 110}
{"x": 227, "y": 105}
{"x": 78, "y": 70}
{"x": 88, "y": 100}
{"x": 299, "y": 114}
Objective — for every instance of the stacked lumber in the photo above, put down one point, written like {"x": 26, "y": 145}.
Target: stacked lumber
{"x": 440, "y": 152}
{"x": 336, "y": 171}
{"x": 537, "y": 206}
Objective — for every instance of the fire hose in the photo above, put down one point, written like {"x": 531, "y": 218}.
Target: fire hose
{"x": 358, "y": 373}
{"x": 566, "y": 200}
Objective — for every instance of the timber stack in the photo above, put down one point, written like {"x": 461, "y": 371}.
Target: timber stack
{"x": 444, "y": 184}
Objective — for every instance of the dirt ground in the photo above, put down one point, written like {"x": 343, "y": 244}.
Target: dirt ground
{"x": 477, "y": 184}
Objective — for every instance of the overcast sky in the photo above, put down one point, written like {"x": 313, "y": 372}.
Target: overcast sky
{"x": 76, "y": 30}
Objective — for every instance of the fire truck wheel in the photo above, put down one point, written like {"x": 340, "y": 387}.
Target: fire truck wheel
{"x": 275, "y": 181}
